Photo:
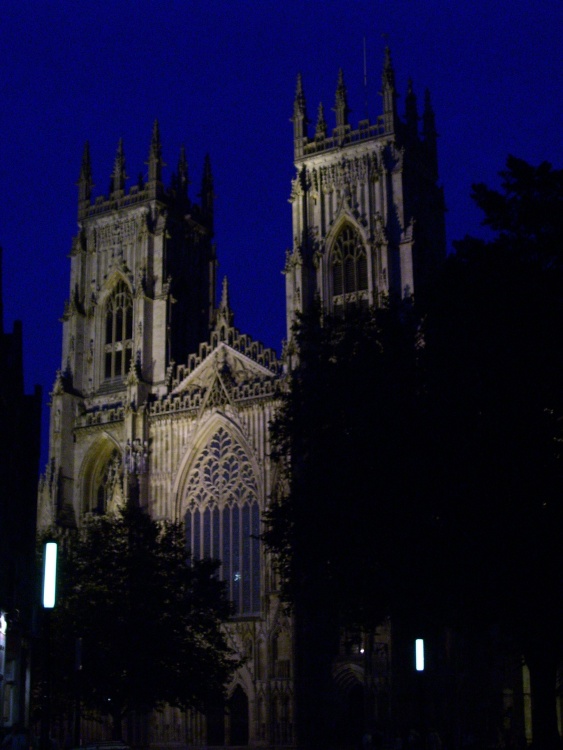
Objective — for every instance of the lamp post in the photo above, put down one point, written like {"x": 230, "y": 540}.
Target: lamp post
{"x": 3, "y": 629}
{"x": 77, "y": 689}
{"x": 49, "y": 596}
{"x": 419, "y": 667}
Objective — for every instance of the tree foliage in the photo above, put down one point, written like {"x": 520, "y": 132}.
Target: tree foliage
{"x": 150, "y": 619}
{"x": 493, "y": 355}
{"x": 341, "y": 437}
{"x": 345, "y": 435}
{"x": 423, "y": 446}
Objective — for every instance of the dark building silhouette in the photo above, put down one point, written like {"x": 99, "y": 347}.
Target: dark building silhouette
{"x": 20, "y": 418}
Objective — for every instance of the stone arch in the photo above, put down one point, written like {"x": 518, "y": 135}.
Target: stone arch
{"x": 344, "y": 218}
{"x": 347, "y": 263}
{"x": 239, "y": 720}
{"x": 219, "y": 495}
{"x": 201, "y": 439}
{"x": 98, "y": 332}
{"x": 349, "y": 681}
{"x": 102, "y": 477}
{"x": 117, "y": 329}
{"x": 110, "y": 284}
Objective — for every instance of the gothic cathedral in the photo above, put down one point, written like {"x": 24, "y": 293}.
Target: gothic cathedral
{"x": 163, "y": 401}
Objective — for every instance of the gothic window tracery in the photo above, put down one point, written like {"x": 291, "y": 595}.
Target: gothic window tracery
{"x": 223, "y": 517}
{"x": 118, "y": 340}
{"x": 349, "y": 269}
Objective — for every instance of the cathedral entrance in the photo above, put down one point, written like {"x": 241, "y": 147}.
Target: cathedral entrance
{"x": 355, "y": 723}
{"x": 350, "y": 719}
{"x": 238, "y": 709}
{"x": 216, "y": 725}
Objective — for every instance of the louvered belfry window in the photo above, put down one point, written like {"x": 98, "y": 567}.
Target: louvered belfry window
{"x": 118, "y": 349}
{"x": 223, "y": 517}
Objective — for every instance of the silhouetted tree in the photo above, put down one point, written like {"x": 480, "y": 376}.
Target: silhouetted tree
{"x": 345, "y": 435}
{"x": 422, "y": 454}
{"x": 493, "y": 355}
{"x": 148, "y": 615}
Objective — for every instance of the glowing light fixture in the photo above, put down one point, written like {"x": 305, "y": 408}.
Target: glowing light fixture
{"x": 49, "y": 574}
{"x": 419, "y": 654}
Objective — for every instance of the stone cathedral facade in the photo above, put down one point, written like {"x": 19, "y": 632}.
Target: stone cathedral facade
{"x": 161, "y": 400}
{"x": 368, "y": 213}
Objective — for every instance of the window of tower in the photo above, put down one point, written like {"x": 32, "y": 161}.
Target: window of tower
{"x": 349, "y": 269}
{"x": 118, "y": 349}
{"x": 223, "y": 518}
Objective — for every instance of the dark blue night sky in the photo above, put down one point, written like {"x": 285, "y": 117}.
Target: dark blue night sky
{"x": 220, "y": 78}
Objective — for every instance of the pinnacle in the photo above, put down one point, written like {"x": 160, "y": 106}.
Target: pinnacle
{"x": 85, "y": 170}
{"x": 321, "y": 122}
{"x": 299, "y": 104}
{"x": 155, "y": 132}
{"x": 118, "y": 176}
{"x": 225, "y": 293}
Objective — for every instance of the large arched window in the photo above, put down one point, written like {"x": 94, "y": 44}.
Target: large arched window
{"x": 349, "y": 269}
{"x": 223, "y": 517}
{"x": 118, "y": 348}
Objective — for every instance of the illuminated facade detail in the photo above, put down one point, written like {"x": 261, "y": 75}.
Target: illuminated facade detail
{"x": 162, "y": 402}
{"x": 223, "y": 518}
{"x": 118, "y": 349}
{"x": 372, "y": 190}
{"x": 349, "y": 269}
{"x": 108, "y": 487}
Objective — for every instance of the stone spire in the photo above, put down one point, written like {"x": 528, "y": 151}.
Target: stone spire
{"x": 389, "y": 94}
{"x": 341, "y": 102}
{"x": 183, "y": 174}
{"x": 225, "y": 315}
{"x": 411, "y": 113}
{"x": 207, "y": 195}
{"x": 299, "y": 118}
{"x": 118, "y": 175}
{"x": 85, "y": 183}
{"x": 320, "y": 130}
{"x": 155, "y": 156}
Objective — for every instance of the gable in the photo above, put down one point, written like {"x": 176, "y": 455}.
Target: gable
{"x": 223, "y": 368}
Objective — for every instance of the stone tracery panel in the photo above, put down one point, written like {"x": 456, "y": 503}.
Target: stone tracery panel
{"x": 223, "y": 517}
{"x": 349, "y": 268}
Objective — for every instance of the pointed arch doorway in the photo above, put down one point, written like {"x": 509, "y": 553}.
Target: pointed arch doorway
{"x": 238, "y": 711}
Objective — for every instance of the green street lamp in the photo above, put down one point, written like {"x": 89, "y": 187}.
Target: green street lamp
{"x": 50, "y": 552}
{"x": 419, "y": 654}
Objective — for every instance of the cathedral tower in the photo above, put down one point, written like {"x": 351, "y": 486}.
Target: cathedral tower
{"x": 142, "y": 282}
{"x": 160, "y": 401}
{"x": 368, "y": 214}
